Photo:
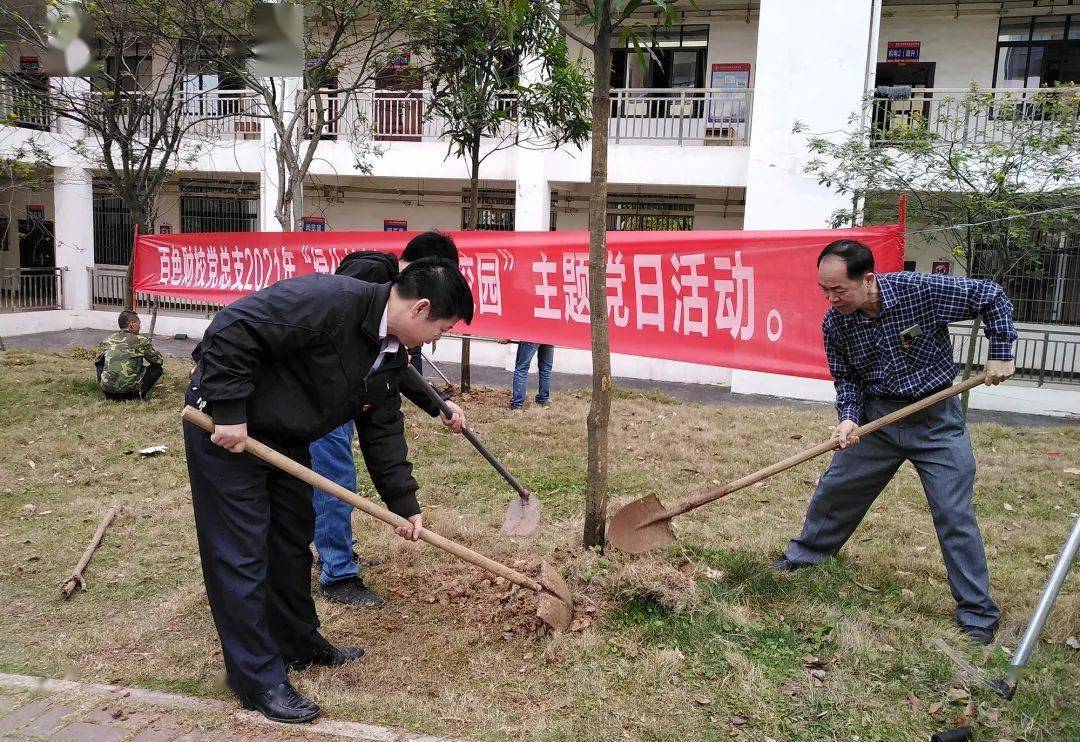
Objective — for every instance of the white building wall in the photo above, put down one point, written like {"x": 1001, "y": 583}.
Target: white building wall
{"x": 962, "y": 48}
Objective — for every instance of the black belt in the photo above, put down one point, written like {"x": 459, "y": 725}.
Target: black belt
{"x": 906, "y": 400}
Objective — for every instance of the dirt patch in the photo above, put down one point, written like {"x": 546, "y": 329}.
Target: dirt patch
{"x": 482, "y": 396}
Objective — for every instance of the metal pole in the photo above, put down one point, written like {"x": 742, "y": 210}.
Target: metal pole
{"x": 1007, "y": 685}
{"x": 440, "y": 373}
{"x": 1042, "y": 363}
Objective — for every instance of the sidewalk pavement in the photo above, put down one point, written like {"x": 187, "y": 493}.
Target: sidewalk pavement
{"x": 66, "y": 711}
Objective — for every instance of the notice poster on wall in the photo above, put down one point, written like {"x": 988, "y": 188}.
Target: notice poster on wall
{"x": 314, "y": 224}
{"x": 728, "y": 108}
{"x": 903, "y": 51}
{"x": 395, "y": 225}
{"x": 164, "y": 228}
{"x": 35, "y": 212}
{"x": 942, "y": 267}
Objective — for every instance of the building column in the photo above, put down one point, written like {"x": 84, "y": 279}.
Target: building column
{"x": 532, "y": 201}
{"x": 532, "y": 198}
{"x": 814, "y": 62}
{"x": 73, "y": 210}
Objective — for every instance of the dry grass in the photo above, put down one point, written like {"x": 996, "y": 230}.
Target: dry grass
{"x": 699, "y": 642}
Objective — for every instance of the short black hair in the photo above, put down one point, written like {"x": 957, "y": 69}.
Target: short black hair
{"x": 125, "y": 318}
{"x": 430, "y": 244}
{"x": 856, "y": 256}
{"x": 441, "y": 283}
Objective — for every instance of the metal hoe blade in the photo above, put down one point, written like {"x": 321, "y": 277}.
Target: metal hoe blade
{"x": 626, "y": 533}
{"x": 522, "y": 518}
{"x": 555, "y": 604}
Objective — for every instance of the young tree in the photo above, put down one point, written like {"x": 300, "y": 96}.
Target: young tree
{"x": 345, "y": 44}
{"x": 126, "y": 118}
{"x": 993, "y": 178}
{"x": 603, "y": 19}
{"x": 500, "y": 76}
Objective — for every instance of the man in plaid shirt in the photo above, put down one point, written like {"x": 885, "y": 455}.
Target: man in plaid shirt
{"x": 887, "y": 342}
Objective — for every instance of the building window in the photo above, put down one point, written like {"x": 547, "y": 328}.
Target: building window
{"x": 1045, "y": 290}
{"x": 1038, "y": 51}
{"x": 114, "y": 230}
{"x": 219, "y": 207}
{"x": 496, "y": 209}
{"x": 676, "y": 59}
{"x": 646, "y": 212}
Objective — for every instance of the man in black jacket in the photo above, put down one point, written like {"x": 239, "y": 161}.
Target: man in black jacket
{"x": 289, "y": 364}
{"x": 332, "y": 455}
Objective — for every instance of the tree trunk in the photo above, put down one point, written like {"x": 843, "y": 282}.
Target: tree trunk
{"x": 596, "y": 487}
{"x": 474, "y": 213}
{"x": 297, "y": 204}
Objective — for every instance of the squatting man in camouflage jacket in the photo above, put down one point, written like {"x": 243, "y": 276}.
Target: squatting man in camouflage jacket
{"x": 127, "y": 364}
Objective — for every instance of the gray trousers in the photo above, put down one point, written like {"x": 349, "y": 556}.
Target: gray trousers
{"x": 937, "y": 443}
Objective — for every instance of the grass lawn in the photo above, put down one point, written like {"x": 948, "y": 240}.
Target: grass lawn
{"x": 697, "y": 642}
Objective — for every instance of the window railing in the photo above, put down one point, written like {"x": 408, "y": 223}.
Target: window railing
{"x": 1041, "y": 356}
{"x": 24, "y": 108}
{"x": 681, "y": 116}
{"x": 109, "y": 290}
{"x": 974, "y": 116}
{"x": 31, "y": 289}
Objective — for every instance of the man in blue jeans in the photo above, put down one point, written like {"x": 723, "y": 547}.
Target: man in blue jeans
{"x": 545, "y": 356}
{"x": 332, "y": 455}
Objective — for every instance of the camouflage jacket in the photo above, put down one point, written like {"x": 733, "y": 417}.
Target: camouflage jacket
{"x": 122, "y": 355}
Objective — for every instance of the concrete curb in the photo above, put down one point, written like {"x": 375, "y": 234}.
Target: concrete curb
{"x": 331, "y": 727}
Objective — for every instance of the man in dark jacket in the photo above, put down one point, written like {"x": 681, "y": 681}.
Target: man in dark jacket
{"x": 332, "y": 455}
{"x": 289, "y": 364}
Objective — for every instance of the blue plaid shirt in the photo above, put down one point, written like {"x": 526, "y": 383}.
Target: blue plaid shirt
{"x": 868, "y": 359}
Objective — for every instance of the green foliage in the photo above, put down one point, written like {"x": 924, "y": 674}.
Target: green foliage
{"x": 500, "y": 70}
{"x": 986, "y": 171}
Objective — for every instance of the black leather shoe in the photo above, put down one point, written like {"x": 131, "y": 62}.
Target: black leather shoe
{"x": 281, "y": 703}
{"x": 332, "y": 657}
{"x": 351, "y": 592}
{"x": 983, "y": 636}
{"x": 784, "y": 565}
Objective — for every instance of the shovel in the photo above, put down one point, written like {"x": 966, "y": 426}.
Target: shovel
{"x": 555, "y": 605}
{"x": 644, "y": 525}
{"x": 523, "y": 513}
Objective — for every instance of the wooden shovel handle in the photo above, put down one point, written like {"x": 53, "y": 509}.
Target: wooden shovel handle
{"x": 796, "y": 459}
{"x": 469, "y": 435}
{"x": 304, "y": 474}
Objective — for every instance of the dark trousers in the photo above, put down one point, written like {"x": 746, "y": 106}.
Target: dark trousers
{"x": 150, "y": 377}
{"x": 254, "y": 524}
{"x": 936, "y": 442}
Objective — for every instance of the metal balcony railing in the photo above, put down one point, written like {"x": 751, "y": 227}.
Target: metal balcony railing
{"x": 31, "y": 289}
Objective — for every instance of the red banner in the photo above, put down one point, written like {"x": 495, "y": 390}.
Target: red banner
{"x": 747, "y": 300}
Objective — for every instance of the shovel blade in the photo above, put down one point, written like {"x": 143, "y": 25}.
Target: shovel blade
{"x": 555, "y": 607}
{"x": 522, "y": 518}
{"x": 626, "y": 533}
